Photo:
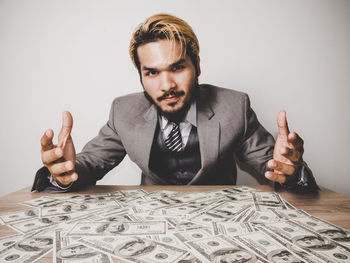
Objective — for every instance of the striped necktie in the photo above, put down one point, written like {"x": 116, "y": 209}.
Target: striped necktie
{"x": 174, "y": 140}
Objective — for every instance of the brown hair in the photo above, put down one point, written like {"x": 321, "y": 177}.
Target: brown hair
{"x": 165, "y": 27}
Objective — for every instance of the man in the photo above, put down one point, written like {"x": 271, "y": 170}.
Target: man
{"x": 177, "y": 131}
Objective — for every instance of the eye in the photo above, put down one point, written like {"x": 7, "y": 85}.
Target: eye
{"x": 151, "y": 73}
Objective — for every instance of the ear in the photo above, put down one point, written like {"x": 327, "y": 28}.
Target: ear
{"x": 198, "y": 66}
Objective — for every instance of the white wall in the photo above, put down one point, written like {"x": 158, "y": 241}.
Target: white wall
{"x": 58, "y": 55}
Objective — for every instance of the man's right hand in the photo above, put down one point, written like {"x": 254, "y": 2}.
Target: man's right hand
{"x": 60, "y": 158}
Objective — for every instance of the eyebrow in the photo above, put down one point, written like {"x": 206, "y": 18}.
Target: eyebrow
{"x": 180, "y": 61}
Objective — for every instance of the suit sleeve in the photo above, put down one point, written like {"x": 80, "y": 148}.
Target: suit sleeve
{"x": 256, "y": 145}
{"x": 97, "y": 158}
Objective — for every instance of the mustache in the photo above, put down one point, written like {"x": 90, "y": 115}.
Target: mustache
{"x": 171, "y": 93}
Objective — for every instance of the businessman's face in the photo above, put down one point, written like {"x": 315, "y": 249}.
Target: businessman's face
{"x": 167, "y": 77}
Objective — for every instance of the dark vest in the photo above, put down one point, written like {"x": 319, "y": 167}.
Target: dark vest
{"x": 179, "y": 167}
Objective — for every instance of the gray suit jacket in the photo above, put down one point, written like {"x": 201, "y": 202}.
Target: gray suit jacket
{"x": 227, "y": 127}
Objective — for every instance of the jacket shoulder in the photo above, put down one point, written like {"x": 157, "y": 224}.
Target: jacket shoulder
{"x": 131, "y": 104}
{"x": 219, "y": 97}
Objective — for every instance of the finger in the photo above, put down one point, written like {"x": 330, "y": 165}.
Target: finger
{"x": 46, "y": 140}
{"x": 276, "y": 177}
{"x": 67, "y": 179}
{"x": 67, "y": 124}
{"x": 50, "y": 156}
{"x": 281, "y": 167}
{"x": 282, "y": 123}
{"x": 61, "y": 168}
{"x": 293, "y": 155}
{"x": 295, "y": 140}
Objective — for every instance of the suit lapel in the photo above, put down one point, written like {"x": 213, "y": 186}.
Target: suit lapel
{"x": 145, "y": 134}
{"x": 208, "y": 128}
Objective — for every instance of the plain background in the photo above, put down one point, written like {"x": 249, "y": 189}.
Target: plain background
{"x": 73, "y": 55}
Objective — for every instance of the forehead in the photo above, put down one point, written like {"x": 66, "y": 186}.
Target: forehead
{"x": 159, "y": 53}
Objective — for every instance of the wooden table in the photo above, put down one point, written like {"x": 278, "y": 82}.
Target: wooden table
{"x": 327, "y": 205}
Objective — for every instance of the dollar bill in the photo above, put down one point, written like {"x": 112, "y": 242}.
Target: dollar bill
{"x": 191, "y": 235}
{"x": 8, "y": 241}
{"x": 267, "y": 200}
{"x": 16, "y": 216}
{"x": 308, "y": 257}
{"x": 219, "y": 249}
{"x": 136, "y": 249}
{"x": 321, "y": 247}
{"x": 268, "y": 248}
{"x": 169, "y": 239}
{"x": 28, "y": 249}
{"x": 260, "y": 217}
{"x": 232, "y": 228}
{"x": 66, "y": 250}
{"x": 35, "y": 224}
{"x": 289, "y": 214}
{"x": 118, "y": 228}
{"x": 325, "y": 229}
{"x": 71, "y": 207}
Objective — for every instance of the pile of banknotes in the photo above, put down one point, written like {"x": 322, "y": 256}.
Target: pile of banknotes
{"x": 236, "y": 224}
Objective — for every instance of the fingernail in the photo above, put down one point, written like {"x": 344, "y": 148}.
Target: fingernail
{"x": 273, "y": 164}
{"x": 268, "y": 175}
{"x": 69, "y": 165}
{"x": 58, "y": 151}
{"x": 74, "y": 177}
{"x": 48, "y": 133}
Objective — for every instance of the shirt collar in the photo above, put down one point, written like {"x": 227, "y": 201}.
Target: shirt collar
{"x": 191, "y": 116}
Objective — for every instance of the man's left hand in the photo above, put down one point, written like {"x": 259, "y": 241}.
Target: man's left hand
{"x": 287, "y": 154}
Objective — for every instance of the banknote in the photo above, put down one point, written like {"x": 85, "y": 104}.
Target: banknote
{"x": 44, "y": 201}
{"x": 38, "y": 223}
{"x": 16, "y": 216}
{"x": 169, "y": 239}
{"x": 266, "y": 200}
{"x": 308, "y": 257}
{"x": 289, "y": 214}
{"x": 71, "y": 207}
{"x": 219, "y": 249}
{"x": 224, "y": 212}
{"x": 5, "y": 242}
{"x": 260, "y": 217}
{"x": 232, "y": 228}
{"x": 178, "y": 224}
{"x": 118, "y": 228}
{"x": 189, "y": 258}
{"x": 268, "y": 248}
{"x": 28, "y": 249}
{"x": 321, "y": 247}
{"x": 325, "y": 229}
{"x": 66, "y": 250}
{"x": 192, "y": 235}
{"x": 136, "y": 249}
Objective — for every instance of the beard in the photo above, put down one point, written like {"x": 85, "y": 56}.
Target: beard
{"x": 179, "y": 114}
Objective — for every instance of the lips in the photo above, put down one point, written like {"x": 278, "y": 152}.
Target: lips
{"x": 171, "y": 98}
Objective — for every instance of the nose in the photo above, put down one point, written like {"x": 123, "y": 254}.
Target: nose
{"x": 167, "y": 82}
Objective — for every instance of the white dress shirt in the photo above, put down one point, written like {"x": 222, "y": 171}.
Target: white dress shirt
{"x": 185, "y": 126}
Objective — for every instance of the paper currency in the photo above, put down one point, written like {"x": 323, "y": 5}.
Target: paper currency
{"x": 118, "y": 228}
{"x": 235, "y": 224}
{"x": 66, "y": 250}
{"x": 222, "y": 249}
{"x": 136, "y": 249}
